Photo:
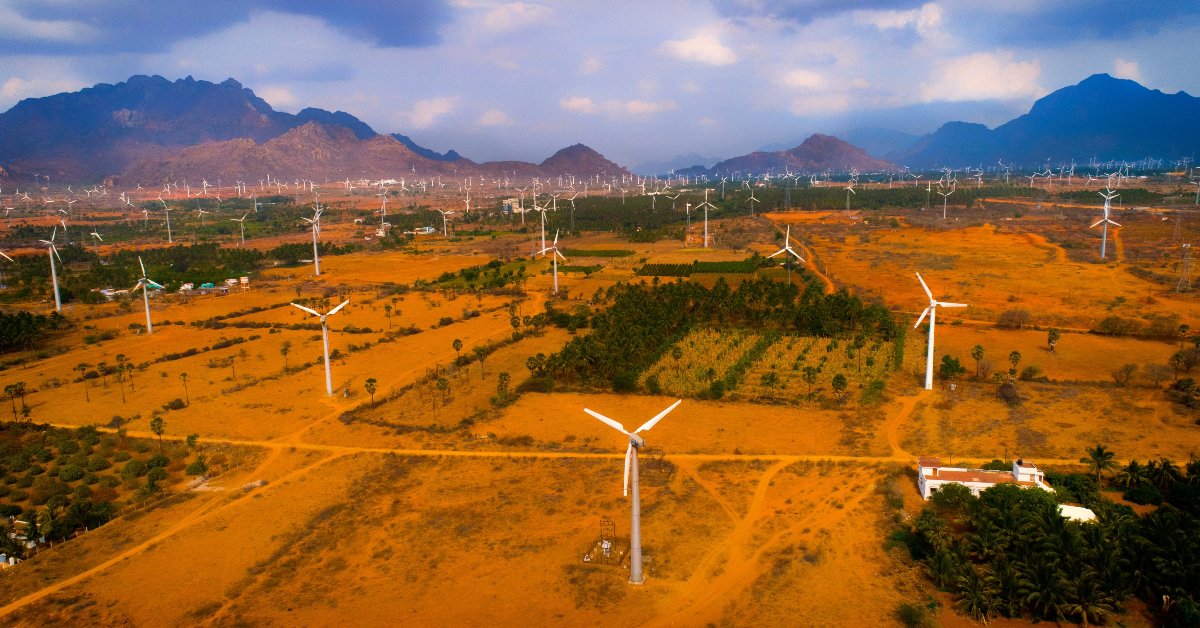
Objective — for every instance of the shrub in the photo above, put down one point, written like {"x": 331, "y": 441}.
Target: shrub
{"x": 1144, "y": 495}
{"x": 625, "y": 381}
{"x": 1117, "y": 326}
{"x": 445, "y": 320}
{"x": 1122, "y": 374}
{"x": 141, "y": 447}
{"x": 199, "y": 468}
{"x": 121, "y": 456}
{"x": 996, "y": 465}
{"x": 952, "y": 496}
{"x": 98, "y": 464}
{"x": 35, "y": 470}
{"x": 68, "y": 447}
{"x": 157, "y": 460}
{"x": 175, "y": 404}
{"x": 25, "y": 481}
{"x": 717, "y": 389}
{"x": 109, "y": 481}
{"x": 71, "y": 472}
{"x": 18, "y": 464}
{"x": 653, "y": 386}
{"x": 156, "y": 474}
{"x": 82, "y": 492}
{"x": 4, "y": 490}
{"x": 1030, "y": 373}
{"x": 11, "y": 511}
{"x": 10, "y": 479}
{"x": 133, "y": 469}
{"x": 1015, "y": 318}
{"x": 91, "y": 478}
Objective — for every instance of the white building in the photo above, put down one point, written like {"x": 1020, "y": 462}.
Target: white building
{"x": 931, "y": 475}
{"x": 1076, "y": 513}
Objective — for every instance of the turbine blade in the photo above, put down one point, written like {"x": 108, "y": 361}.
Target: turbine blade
{"x": 776, "y": 253}
{"x": 649, "y": 424}
{"x": 628, "y": 455}
{"x": 155, "y": 284}
{"x": 940, "y": 304}
{"x": 6, "y": 257}
{"x": 610, "y": 422}
{"x": 1114, "y": 223}
{"x": 1096, "y": 223}
{"x": 142, "y": 265}
{"x": 918, "y": 323}
{"x": 134, "y": 289}
{"x": 313, "y": 312}
{"x": 334, "y": 310}
{"x": 927, "y": 292}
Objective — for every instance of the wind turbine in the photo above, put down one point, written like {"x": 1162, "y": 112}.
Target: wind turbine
{"x": 315, "y": 222}
{"x": 445, "y": 230}
{"x": 144, "y": 283}
{"x": 202, "y": 212}
{"x": 3, "y": 283}
{"x": 849, "y": 191}
{"x": 325, "y": 335}
{"x": 242, "y": 223}
{"x": 167, "y": 210}
{"x": 1105, "y": 220}
{"x": 787, "y": 248}
{"x": 52, "y": 252}
{"x": 631, "y": 463}
{"x": 752, "y": 201}
{"x": 553, "y": 248}
{"x": 932, "y": 312}
{"x": 96, "y": 236}
{"x": 946, "y": 196}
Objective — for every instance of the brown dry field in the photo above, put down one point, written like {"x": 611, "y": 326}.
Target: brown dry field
{"x": 766, "y": 512}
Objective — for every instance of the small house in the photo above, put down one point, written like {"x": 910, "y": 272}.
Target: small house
{"x": 931, "y": 476}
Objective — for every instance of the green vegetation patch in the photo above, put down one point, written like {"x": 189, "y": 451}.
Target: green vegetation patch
{"x": 597, "y": 253}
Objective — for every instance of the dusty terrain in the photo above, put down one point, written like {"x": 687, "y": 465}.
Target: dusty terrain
{"x": 432, "y": 507}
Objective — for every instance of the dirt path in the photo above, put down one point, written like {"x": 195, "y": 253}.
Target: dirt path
{"x": 812, "y": 265}
{"x": 200, "y": 514}
{"x": 1118, "y": 245}
{"x": 689, "y": 467}
{"x": 893, "y": 429}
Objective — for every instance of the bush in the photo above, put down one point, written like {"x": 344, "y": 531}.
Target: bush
{"x": 68, "y": 447}
{"x": 952, "y": 496}
{"x": 625, "y": 382}
{"x": 134, "y": 469}
{"x": 109, "y": 481}
{"x": 91, "y": 478}
{"x": 157, "y": 460}
{"x": 141, "y": 447}
{"x": 98, "y": 464}
{"x": 18, "y": 464}
{"x": 121, "y": 456}
{"x": 35, "y": 470}
{"x": 4, "y": 490}
{"x": 82, "y": 492}
{"x": 996, "y": 465}
{"x": 1144, "y": 495}
{"x": 11, "y": 511}
{"x": 71, "y": 472}
{"x": 1030, "y": 373}
{"x": 199, "y": 468}
{"x": 1014, "y": 319}
{"x": 175, "y": 404}
{"x": 156, "y": 474}
{"x": 653, "y": 386}
{"x": 18, "y": 496}
{"x": 717, "y": 389}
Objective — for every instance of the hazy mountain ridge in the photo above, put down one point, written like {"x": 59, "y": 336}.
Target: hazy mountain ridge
{"x": 817, "y": 153}
{"x": 1102, "y": 117}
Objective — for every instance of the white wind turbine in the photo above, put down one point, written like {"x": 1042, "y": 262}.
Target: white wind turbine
{"x": 932, "y": 312}
{"x": 552, "y": 250}
{"x": 167, "y": 210}
{"x": 445, "y": 229}
{"x": 325, "y": 335}
{"x": 202, "y": 212}
{"x": 315, "y": 222}
{"x": 1105, "y": 220}
{"x": 631, "y": 464}
{"x": 144, "y": 283}
{"x": 787, "y": 248}
{"x": 242, "y": 223}
{"x": 946, "y": 196}
{"x": 3, "y": 283}
{"x": 849, "y": 191}
{"x": 95, "y": 237}
{"x": 52, "y": 252}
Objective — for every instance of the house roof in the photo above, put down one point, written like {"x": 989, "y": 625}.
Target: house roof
{"x": 977, "y": 476}
{"x": 929, "y": 461}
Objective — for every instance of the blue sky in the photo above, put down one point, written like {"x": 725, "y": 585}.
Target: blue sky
{"x": 637, "y": 81}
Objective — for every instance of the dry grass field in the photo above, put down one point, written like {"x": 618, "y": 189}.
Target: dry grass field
{"x": 435, "y": 507}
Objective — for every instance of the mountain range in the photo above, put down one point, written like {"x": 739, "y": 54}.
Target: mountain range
{"x": 1102, "y": 117}
{"x": 818, "y": 153}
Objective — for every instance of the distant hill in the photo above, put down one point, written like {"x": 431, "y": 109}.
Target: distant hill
{"x": 677, "y": 163}
{"x": 317, "y": 151}
{"x": 1102, "y": 117}
{"x": 818, "y": 153}
{"x": 101, "y": 130}
{"x": 449, "y": 155}
{"x": 879, "y": 142}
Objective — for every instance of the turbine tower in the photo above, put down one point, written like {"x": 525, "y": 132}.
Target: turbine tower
{"x": 631, "y": 463}
{"x": 932, "y": 312}
{"x": 1105, "y": 220}
{"x": 325, "y": 336}
{"x": 242, "y": 223}
{"x": 52, "y": 252}
{"x": 316, "y": 224}
{"x": 144, "y": 283}
{"x": 553, "y": 248}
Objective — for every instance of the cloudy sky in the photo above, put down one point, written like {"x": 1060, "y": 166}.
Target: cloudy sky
{"x": 638, "y": 81}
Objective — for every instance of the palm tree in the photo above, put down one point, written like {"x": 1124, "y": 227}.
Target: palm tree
{"x": 457, "y": 344}
{"x": 974, "y": 598}
{"x": 11, "y": 391}
{"x": 186, "y": 398}
{"x": 1089, "y": 602}
{"x": 1044, "y": 591}
{"x": 82, "y": 367}
{"x": 1165, "y": 473}
{"x": 1098, "y": 459}
{"x": 287, "y": 347}
{"x": 103, "y": 368}
{"x": 1132, "y": 475}
{"x": 370, "y": 386}
{"x": 158, "y": 426}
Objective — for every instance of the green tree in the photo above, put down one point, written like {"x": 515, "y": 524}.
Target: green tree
{"x": 458, "y": 345}
{"x": 839, "y": 384}
{"x": 1098, "y": 459}
{"x": 977, "y": 355}
{"x": 284, "y": 350}
{"x": 11, "y": 391}
{"x": 1052, "y": 336}
{"x": 1183, "y": 331}
{"x": 1133, "y": 474}
{"x": 809, "y": 375}
{"x": 443, "y": 385}
{"x": 121, "y": 374}
{"x": 183, "y": 377}
{"x": 370, "y": 386}
{"x": 103, "y": 368}
{"x": 860, "y": 341}
{"x": 677, "y": 355}
{"x": 1014, "y": 358}
{"x": 480, "y": 354}
{"x": 950, "y": 367}
{"x": 1089, "y": 602}
{"x": 191, "y": 440}
{"x": 387, "y": 312}
{"x": 502, "y": 385}
{"x": 82, "y": 367}
{"x": 158, "y": 426}
{"x": 129, "y": 368}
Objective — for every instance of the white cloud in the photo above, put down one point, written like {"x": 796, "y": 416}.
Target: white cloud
{"x": 641, "y": 106}
{"x": 15, "y": 88}
{"x": 515, "y": 14}
{"x": 425, "y": 112}
{"x": 14, "y": 27}
{"x": 983, "y": 76}
{"x": 804, "y": 78}
{"x": 494, "y": 117}
{"x": 1126, "y": 70}
{"x": 927, "y": 18}
{"x": 591, "y": 66}
{"x": 277, "y": 96}
{"x": 814, "y": 104}
{"x": 705, "y": 47}
{"x": 575, "y": 103}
